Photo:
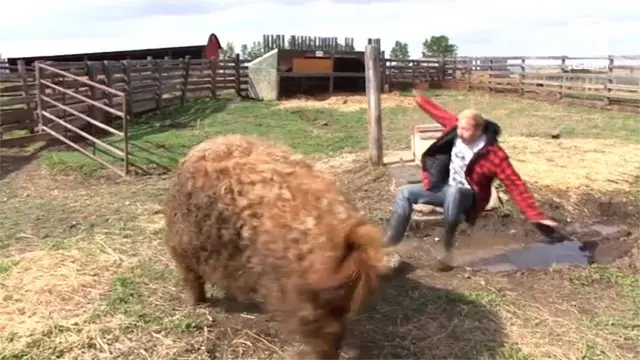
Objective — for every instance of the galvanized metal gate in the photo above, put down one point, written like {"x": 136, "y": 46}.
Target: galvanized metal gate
{"x": 52, "y": 98}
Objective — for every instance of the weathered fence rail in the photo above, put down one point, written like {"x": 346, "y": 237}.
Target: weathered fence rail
{"x": 155, "y": 83}
{"x": 606, "y": 82}
{"x": 144, "y": 84}
{"x": 46, "y": 119}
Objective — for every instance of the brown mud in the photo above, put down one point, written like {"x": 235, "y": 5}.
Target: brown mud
{"x": 604, "y": 223}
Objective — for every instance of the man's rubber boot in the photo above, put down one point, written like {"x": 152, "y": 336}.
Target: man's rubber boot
{"x": 395, "y": 232}
{"x": 443, "y": 251}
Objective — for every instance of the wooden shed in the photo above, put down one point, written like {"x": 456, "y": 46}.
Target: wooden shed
{"x": 306, "y": 65}
{"x": 320, "y": 71}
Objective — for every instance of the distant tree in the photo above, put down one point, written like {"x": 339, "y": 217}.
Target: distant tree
{"x": 438, "y": 46}
{"x": 255, "y": 51}
{"x": 400, "y": 51}
{"x": 228, "y": 51}
{"x": 244, "y": 51}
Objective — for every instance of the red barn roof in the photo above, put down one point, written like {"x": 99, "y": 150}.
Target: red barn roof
{"x": 213, "y": 47}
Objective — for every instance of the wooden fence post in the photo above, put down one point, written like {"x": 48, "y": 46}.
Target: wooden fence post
{"x": 490, "y": 78}
{"x": 128, "y": 94}
{"x": 469, "y": 72}
{"x": 22, "y": 69}
{"x": 108, "y": 81}
{"x": 39, "y": 92}
{"x": 372, "y": 74}
{"x": 383, "y": 72}
{"x": 213, "y": 67}
{"x": 607, "y": 89}
{"x": 96, "y": 95}
{"x": 522, "y": 76}
{"x": 157, "y": 69}
{"x": 441, "y": 68}
{"x": 185, "y": 83}
{"x": 236, "y": 64}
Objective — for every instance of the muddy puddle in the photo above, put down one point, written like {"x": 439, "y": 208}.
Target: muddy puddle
{"x": 535, "y": 256}
{"x": 577, "y": 247}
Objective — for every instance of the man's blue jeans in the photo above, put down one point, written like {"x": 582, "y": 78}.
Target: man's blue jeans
{"x": 455, "y": 201}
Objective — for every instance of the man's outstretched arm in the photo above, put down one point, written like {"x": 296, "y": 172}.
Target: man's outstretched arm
{"x": 435, "y": 111}
{"x": 518, "y": 190}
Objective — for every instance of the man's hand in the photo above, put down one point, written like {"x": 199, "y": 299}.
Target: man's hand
{"x": 549, "y": 229}
{"x": 547, "y": 222}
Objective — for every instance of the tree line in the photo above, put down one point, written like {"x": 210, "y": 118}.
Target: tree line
{"x": 437, "y": 45}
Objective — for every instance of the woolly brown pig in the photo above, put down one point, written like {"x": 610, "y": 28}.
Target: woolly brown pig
{"x": 256, "y": 220}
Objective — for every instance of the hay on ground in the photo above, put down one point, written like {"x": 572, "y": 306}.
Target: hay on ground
{"x": 48, "y": 288}
{"x": 346, "y": 102}
{"x": 575, "y": 164}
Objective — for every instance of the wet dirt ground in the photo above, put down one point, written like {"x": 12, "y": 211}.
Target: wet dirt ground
{"x": 502, "y": 252}
{"x": 594, "y": 228}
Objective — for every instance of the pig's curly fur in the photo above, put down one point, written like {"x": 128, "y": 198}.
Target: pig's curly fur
{"x": 255, "y": 219}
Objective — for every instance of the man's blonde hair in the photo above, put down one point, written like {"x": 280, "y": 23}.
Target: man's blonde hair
{"x": 474, "y": 115}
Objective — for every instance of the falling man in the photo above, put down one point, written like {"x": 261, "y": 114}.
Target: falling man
{"x": 457, "y": 172}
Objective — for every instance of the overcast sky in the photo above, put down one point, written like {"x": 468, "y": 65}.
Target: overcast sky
{"x": 480, "y": 27}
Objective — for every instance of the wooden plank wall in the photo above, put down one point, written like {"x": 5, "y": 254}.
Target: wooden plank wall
{"x": 150, "y": 84}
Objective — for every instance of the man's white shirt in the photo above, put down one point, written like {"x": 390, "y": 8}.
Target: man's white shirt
{"x": 461, "y": 154}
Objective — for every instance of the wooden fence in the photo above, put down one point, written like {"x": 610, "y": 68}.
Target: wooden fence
{"x": 398, "y": 73}
{"x": 299, "y": 42}
{"x": 155, "y": 83}
{"x": 146, "y": 85}
{"x": 608, "y": 84}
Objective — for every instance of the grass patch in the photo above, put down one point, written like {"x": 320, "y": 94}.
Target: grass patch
{"x": 530, "y": 118}
{"x": 593, "y": 137}
{"x": 36, "y": 220}
{"x": 126, "y": 298}
{"x": 629, "y": 284}
{"x": 590, "y": 313}
{"x": 7, "y": 265}
{"x": 64, "y": 161}
{"x": 159, "y": 140}
{"x": 513, "y": 352}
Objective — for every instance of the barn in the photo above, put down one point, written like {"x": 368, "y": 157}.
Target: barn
{"x": 210, "y": 50}
{"x": 213, "y": 47}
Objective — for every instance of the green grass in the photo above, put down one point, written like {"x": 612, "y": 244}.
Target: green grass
{"x": 524, "y": 117}
{"x": 7, "y": 265}
{"x": 159, "y": 140}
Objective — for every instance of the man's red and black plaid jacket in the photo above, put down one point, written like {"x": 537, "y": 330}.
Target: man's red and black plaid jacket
{"x": 488, "y": 163}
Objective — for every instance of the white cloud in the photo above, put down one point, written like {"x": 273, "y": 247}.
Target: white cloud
{"x": 488, "y": 27}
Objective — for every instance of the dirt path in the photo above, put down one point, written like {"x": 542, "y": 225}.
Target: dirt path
{"x": 615, "y": 211}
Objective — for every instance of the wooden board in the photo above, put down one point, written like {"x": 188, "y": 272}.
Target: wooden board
{"x": 312, "y": 65}
{"x": 422, "y": 137}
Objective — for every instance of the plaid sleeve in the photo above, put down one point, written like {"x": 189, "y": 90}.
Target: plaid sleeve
{"x": 436, "y": 112}
{"x": 515, "y": 186}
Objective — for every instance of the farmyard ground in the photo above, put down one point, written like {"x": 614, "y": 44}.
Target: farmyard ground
{"x": 84, "y": 274}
